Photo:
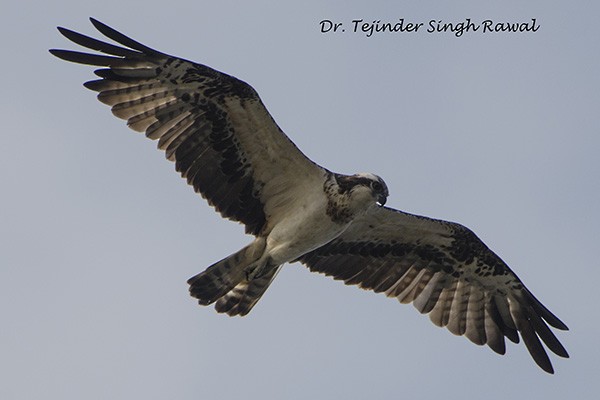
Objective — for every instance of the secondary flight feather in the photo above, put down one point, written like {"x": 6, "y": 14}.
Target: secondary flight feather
{"x": 227, "y": 146}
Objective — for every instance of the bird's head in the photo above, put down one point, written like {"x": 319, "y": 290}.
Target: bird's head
{"x": 379, "y": 189}
{"x": 364, "y": 186}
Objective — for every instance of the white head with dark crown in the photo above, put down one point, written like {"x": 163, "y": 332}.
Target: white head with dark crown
{"x": 364, "y": 187}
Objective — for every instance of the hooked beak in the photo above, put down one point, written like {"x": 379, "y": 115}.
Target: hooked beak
{"x": 381, "y": 199}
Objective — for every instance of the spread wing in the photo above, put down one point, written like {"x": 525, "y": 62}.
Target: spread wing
{"x": 212, "y": 125}
{"x": 445, "y": 271}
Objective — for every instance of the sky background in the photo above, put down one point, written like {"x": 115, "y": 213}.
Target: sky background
{"x": 99, "y": 234}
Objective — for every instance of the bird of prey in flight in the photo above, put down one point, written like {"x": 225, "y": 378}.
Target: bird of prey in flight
{"x": 224, "y": 142}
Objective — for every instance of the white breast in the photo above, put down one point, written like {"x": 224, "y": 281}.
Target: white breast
{"x": 303, "y": 229}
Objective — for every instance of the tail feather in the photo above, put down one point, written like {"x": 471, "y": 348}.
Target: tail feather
{"x": 241, "y": 299}
{"x": 221, "y": 277}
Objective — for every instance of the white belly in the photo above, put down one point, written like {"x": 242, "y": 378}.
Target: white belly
{"x": 302, "y": 232}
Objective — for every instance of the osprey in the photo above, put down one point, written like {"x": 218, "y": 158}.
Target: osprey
{"x": 227, "y": 146}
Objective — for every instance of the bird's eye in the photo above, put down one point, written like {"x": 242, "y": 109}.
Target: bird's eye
{"x": 376, "y": 186}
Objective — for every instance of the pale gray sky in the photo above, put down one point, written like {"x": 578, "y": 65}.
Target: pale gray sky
{"x": 99, "y": 234}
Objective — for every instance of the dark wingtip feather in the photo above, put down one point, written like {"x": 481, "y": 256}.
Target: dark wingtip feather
{"x": 122, "y": 39}
{"x": 94, "y": 85}
{"x": 498, "y": 346}
{"x": 71, "y": 35}
{"x": 546, "y": 314}
{"x": 64, "y": 31}
{"x": 91, "y": 59}
{"x": 544, "y": 333}
{"x": 55, "y": 52}
{"x": 529, "y": 335}
{"x": 95, "y": 44}
{"x": 72, "y": 56}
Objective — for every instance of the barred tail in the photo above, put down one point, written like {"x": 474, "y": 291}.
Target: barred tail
{"x": 241, "y": 299}
{"x": 237, "y": 282}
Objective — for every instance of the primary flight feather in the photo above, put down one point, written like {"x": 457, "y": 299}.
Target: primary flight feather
{"x": 227, "y": 146}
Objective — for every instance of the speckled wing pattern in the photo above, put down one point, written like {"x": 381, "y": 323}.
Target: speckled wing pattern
{"x": 445, "y": 271}
{"x": 226, "y": 145}
{"x": 212, "y": 125}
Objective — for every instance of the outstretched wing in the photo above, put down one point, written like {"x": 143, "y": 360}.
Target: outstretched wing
{"x": 212, "y": 125}
{"x": 444, "y": 270}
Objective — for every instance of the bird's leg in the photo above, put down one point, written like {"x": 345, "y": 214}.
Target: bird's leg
{"x": 256, "y": 271}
